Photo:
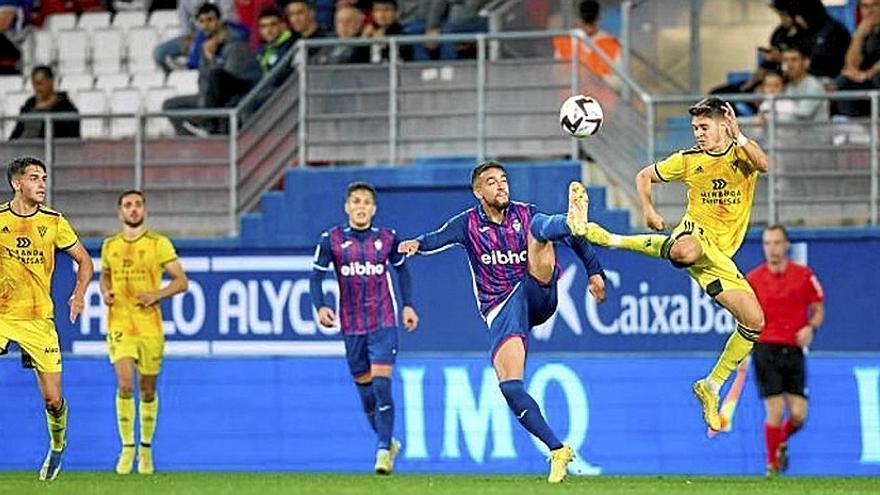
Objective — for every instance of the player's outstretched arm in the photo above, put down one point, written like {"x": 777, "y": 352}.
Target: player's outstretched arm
{"x": 452, "y": 232}
{"x": 84, "y": 272}
{"x": 752, "y": 149}
{"x": 645, "y": 181}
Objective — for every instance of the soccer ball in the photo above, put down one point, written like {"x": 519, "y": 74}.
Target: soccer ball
{"x": 580, "y": 116}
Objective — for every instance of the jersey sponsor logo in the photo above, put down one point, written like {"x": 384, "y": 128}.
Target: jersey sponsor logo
{"x": 718, "y": 184}
{"x": 365, "y": 268}
{"x": 22, "y": 242}
{"x": 345, "y": 244}
{"x": 498, "y": 257}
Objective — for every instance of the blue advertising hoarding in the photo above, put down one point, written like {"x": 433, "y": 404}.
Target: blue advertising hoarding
{"x": 621, "y": 415}
{"x": 257, "y": 302}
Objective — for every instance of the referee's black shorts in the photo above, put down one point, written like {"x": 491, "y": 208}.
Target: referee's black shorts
{"x": 780, "y": 369}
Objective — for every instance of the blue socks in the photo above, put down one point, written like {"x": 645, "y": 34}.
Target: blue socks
{"x": 526, "y": 411}
{"x": 384, "y": 419}
{"x": 368, "y": 401}
{"x": 548, "y": 228}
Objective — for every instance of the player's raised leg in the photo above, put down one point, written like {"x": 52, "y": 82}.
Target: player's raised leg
{"x": 56, "y": 420}
{"x": 124, "y": 368}
{"x": 149, "y": 414}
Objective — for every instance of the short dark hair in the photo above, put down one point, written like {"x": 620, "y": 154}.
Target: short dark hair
{"x": 360, "y": 186}
{"x": 307, "y": 3}
{"x": 482, "y": 167}
{"x": 129, "y": 193}
{"x": 801, "y": 48}
{"x": 589, "y": 10}
{"x": 779, "y": 227}
{"x": 208, "y": 8}
{"x": 711, "y": 106}
{"x": 271, "y": 12}
{"x": 18, "y": 165}
{"x": 45, "y": 70}
{"x": 385, "y": 2}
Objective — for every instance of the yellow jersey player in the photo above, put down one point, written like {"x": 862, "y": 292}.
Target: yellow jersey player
{"x": 132, "y": 263}
{"x": 29, "y": 235}
{"x": 720, "y": 172}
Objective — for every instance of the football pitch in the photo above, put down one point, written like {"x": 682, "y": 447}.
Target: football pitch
{"x": 90, "y": 483}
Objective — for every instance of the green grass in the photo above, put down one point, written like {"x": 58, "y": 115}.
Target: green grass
{"x": 86, "y": 483}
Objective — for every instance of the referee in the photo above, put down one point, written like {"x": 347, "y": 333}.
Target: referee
{"x": 791, "y": 297}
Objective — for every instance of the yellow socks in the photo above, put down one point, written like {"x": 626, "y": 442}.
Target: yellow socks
{"x": 57, "y": 423}
{"x": 125, "y": 419}
{"x": 648, "y": 244}
{"x": 738, "y": 346}
{"x": 148, "y": 412}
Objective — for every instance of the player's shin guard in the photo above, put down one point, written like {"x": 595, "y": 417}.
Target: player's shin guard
{"x": 149, "y": 411}
{"x": 368, "y": 401}
{"x": 527, "y": 412}
{"x": 384, "y": 419}
{"x": 548, "y": 228}
{"x": 738, "y": 346}
{"x": 125, "y": 419}
{"x": 56, "y": 420}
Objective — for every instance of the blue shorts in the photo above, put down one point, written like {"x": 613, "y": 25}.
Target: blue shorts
{"x": 379, "y": 347}
{"x": 530, "y": 304}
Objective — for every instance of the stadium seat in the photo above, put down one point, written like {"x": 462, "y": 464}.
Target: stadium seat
{"x": 185, "y": 82}
{"x": 75, "y": 83}
{"x": 91, "y": 21}
{"x": 141, "y": 41}
{"x": 9, "y": 84}
{"x": 124, "y": 101}
{"x": 56, "y": 22}
{"x": 171, "y": 32}
{"x": 161, "y": 19}
{"x": 44, "y": 48}
{"x": 111, "y": 82}
{"x": 91, "y": 101}
{"x": 12, "y": 102}
{"x": 158, "y": 126}
{"x": 107, "y": 51}
{"x": 146, "y": 80}
{"x": 73, "y": 51}
{"x": 131, "y": 19}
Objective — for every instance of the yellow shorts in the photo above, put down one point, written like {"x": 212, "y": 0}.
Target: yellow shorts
{"x": 146, "y": 350}
{"x": 36, "y": 338}
{"x": 714, "y": 271}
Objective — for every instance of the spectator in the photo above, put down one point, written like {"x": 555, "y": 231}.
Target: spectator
{"x": 234, "y": 30}
{"x": 12, "y": 18}
{"x": 248, "y": 14}
{"x": 461, "y": 16}
{"x": 828, "y": 39}
{"x": 275, "y": 39}
{"x": 227, "y": 71}
{"x": 774, "y": 84}
{"x": 588, "y": 22}
{"x": 301, "y": 18}
{"x": 46, "y": 100}
{"x": 172, "y": 54}
{"x": 384, "y": 23}
{"x": 799, "y": 82}
{"x": 787, "y": 33}
{"x": 861, "y": 68}
{"x": 348, "y": 21}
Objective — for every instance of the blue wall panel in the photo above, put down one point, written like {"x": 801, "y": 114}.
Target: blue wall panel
{"x": 623, "y": 416}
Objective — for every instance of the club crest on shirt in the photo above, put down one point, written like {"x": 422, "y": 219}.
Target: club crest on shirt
{"x": 378, "y": 244}
{"x": 42, "y": 230}
{"x": 517, "y": 226}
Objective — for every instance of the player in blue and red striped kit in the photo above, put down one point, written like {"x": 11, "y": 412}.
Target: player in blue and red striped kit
{"x": 513, "y": 264}
{"x": 361, "y": 255}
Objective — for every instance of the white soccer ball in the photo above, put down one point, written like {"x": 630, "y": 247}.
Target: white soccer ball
{"x": 581, "y": 116}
